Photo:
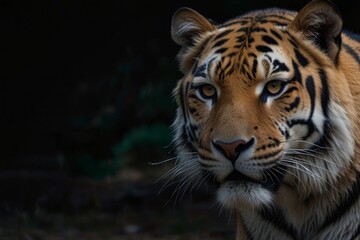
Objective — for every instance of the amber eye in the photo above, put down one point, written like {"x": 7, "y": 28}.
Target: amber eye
{"x": 274, "y": 87}
{"x": 207, "y": 91}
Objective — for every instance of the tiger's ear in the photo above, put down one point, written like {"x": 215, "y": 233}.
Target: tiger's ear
{"x": 320, "y": 21}
{"x": 187, "y": 25}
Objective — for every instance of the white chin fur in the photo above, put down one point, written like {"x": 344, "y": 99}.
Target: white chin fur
{"x": 234, "y": 195}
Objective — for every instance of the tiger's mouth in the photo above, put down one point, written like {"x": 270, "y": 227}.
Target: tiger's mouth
{"x": 237, "y": 176}
{"x": 271, "y": 178}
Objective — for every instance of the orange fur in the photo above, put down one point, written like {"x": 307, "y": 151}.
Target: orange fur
{"x": 296, "y": 150}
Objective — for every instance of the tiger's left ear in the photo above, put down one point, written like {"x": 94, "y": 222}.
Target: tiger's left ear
{"x": 320, "y": 22}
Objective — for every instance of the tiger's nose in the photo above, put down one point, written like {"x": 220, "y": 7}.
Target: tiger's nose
{"x": 232, "y": 150}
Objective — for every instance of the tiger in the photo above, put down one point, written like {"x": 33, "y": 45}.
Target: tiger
{"x": 268, "y": 110}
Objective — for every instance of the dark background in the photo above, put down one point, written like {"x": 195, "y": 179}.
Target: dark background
{"x": 86, "y": 105}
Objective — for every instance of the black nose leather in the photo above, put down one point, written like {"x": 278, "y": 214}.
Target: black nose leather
{"x": 232, "y": 150}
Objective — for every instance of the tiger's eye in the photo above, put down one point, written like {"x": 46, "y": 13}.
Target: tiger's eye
{"x": 207, "y": 91}
{"x": 274, "y": 87}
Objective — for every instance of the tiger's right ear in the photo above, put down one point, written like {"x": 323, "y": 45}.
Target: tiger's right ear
{"x": 187, "y": 25}
{"x": 320, "y": 22}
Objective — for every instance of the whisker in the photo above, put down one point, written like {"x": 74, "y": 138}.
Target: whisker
{"x": 304, "y": 141}
{"x": 283, "y": 168}
{"x": 290, "y": 163}
{"x": 305, "y": 152}
{"x": 176, "y": 172}
{"x": 310, "y": 164}
{"x": 162, "y": 162}
{"x": 173, "y": 158}
{"x": 186, "y": 180}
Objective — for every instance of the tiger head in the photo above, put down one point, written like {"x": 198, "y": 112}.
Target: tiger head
{"x": 257, "y": 99}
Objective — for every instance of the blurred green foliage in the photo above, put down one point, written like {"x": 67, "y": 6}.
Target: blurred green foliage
{"x": 139, "y": 110}
{"x": 97, "y": 168}
{"x": 142, "y": 139}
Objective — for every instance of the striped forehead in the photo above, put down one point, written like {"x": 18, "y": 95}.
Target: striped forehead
{"x": 254, "y": 54}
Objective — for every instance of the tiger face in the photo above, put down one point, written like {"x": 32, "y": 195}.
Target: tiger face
{"x": 255, "y": 94}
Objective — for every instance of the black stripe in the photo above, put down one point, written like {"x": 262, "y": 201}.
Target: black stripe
{"x": 258, "y": 29}
{"x": 292, "y": 40}
{"x": 222, "y": 34}
{"x": 267, "y": 155}
{"x": 195, "y": 67}
{"x": 250, "y": 40}
{"x": 240, "y": 39}
{"x": 276, "y": 218}
{"x": 277, "y": 23}
{"x": 243, "y": 29}
{"x": 209, "y": 65}
{"x": 227, "y": 66}
{"x": 200, "y": 74}
{"x": 268, "y": 57}
{"x": 297, "y": 74}
{"x": 295, "y": 45}
{"x": 183, "y": 92}
{"x": 220, "y": 43}
{"x": 269, "y": 40}
{"x": 305, "y": 49}
{"x": 192, "y": 110}
{"x": 243, "y": 70}
{"x": 293, "y": 105}
{"x": 221, "y": 50}
{"x": 301, "y": 59}
{"x": 200, "y": 71}
{"x": 278, "y": 36}
{"x": 281, "y": 67}
{"x": 218, "y": 68}
{"x": 222, "y": 73}
{"x": 280, "y": 24}
{"x": 263, "y": 49}
{"x": 254, "y": 68}
{"x": 246, "y": 63}
{"x": 338, "y": 42}
{"x": 310, "y": 87}
{"x": 281, "y": 131}
{"x": 252, "y": 55}
{"x": 230, "y": 71}
{"x": 248, "y": 76}
{"x": 352, "y": 52}
{"x": 345, "y": 205}
{"x": 325, "y": 97}
{"x": 287, "y": 134}
{"x": 232, "y": 54}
